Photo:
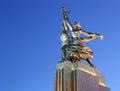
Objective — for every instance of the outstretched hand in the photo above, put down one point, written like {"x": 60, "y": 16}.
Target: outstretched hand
{"x": 98, "y": 35}
{"x": 101, "y": 37}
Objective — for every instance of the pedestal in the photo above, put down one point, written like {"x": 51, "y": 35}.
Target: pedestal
{"x": 78, "y": 77}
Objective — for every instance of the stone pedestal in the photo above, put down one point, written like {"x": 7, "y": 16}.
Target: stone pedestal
{"x": 78, "y": 77}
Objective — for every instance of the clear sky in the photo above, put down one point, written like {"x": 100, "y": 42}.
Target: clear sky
{"x": 30, "y": 43}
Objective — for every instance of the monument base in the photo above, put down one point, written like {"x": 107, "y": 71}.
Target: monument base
{"x": 78, "y": 76}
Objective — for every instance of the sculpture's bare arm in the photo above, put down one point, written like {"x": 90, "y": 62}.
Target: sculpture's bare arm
{"x": 92, "y": 36}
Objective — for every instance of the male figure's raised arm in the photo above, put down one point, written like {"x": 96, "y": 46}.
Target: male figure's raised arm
{"x": 66, "y": 20}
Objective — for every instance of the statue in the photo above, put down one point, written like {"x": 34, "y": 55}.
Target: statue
{"x": 73, "y": 47}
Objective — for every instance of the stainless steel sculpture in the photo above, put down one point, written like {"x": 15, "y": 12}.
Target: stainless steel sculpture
{"x": 73, "y": 47}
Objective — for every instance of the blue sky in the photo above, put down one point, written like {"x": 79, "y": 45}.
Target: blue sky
{"x": 30, "y": 43}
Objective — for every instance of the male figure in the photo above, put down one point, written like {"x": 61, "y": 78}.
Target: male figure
{"x": 65, "y": 38}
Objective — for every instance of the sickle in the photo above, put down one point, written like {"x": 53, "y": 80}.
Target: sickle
{"x": 66, "y": 10}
